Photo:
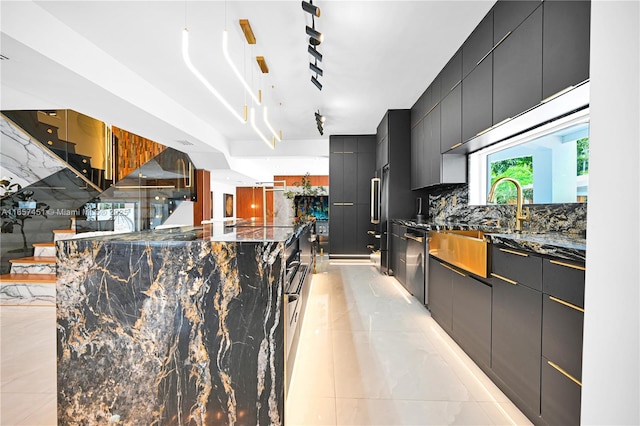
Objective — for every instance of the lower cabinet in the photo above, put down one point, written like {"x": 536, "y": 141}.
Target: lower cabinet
{"x": 440, "y": 294}
{"x": 516, "y": 335}
{"x": 472, "y": 316}
{"x": 398, "y": 253}
{"x": 523, "y": 326}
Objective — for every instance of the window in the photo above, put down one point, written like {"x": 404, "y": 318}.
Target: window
{"x": 551, "y": 163}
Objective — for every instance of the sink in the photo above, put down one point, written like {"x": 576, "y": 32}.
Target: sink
{"x": 466, "y": 249}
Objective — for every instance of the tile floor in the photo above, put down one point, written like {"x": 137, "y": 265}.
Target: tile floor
{"x": 369, "y": 355}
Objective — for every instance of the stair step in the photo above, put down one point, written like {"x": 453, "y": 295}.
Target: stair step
{"x": 44, "y": 249}
{"x": 47, "y": 260}
{"x": 34, "y": 265}
{"x": 28, "y": 290}
{"x": 63, "y": 234}
{"x": 28, "y": 278}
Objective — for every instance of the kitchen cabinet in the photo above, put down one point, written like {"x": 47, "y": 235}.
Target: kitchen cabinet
{"x": 382, "y": 143}
{"x": 471, "y": 319}
{"x": 477, "y": 99}
{"x": 565, "y": 46}
{"x": 451, "y": 120}
{"x": 397, "y": 199}
{"x": 508, "y": 15}
{"x": 516, "y": 342}
{"x": 562, "y": 334}
{"x": 441, "y": 294}
{"x": 478, "y": 44}
{"x": 517, "y": 69}
{"x": 398, "y": 250}
{"x": 351, "y": 167}
{"x": 518, "y": 266}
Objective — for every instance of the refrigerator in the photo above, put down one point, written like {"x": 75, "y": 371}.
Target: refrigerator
{"x": 380, "y": 214}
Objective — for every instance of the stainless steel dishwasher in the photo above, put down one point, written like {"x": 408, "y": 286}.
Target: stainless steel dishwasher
{"x": 417, "y": 264}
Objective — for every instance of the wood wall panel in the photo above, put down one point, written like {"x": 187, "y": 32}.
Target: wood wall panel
{"x": 131, "y": 151}
{"x": 246, "y": 196}
{"x": 316, "y": 180}
{"x": 202, "y": 206}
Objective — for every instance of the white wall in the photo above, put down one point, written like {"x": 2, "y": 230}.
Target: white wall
{"x": 610, "y": 393}
{"x": 218, "y": 190}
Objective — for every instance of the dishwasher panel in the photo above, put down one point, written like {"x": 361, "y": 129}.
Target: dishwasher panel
{"x": 416, "y": 264}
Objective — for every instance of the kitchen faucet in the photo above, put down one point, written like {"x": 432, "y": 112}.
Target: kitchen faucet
{"x": 519, "y": 201}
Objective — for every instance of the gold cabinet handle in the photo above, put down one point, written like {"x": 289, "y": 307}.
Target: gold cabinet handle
{"x": 413, "y": 237}
{"x": 402, "y": 260}
{"x": 371, "y": 232}
{"x": 514, "y": 252}
{"x": 452, "y": 269}
{"x": 347, "y": 204}
{"x": 568, "y": 265}
{"x": 500, "y": 277}
{"x": 456, "y": 145}
{"x": 565, "y": 303}
{"x": 564, "y": 373}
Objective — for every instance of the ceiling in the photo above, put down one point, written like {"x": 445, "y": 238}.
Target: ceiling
{"x": 121, "y": 62}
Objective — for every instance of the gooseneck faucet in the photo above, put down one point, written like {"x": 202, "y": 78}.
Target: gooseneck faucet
{"x": 520, "y": 216}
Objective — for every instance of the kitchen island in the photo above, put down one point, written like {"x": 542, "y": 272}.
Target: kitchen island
{"x": 183, "y": 326}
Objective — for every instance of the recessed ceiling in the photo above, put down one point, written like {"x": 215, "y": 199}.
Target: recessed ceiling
{"x": 121, "y": 62}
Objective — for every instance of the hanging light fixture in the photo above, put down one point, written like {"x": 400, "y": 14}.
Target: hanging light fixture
{"x": 316, "y": 36}
{"x": 313, "y": 52}
{"x": 252, "y": 115}
{"x": 310, "y": 8}
{"x": 204, "y": 81}
{"x": 320, "y": 122}
{"x": 315, "y": 68}
{"x": 225, "y": 49}
{"x": 315, "y": 81}
{"x": 276, "y": 136}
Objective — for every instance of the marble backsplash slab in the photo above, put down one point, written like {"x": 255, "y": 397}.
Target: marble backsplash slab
{"x": 450, "y": 207}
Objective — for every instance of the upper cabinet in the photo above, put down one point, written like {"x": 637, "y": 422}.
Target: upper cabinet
{"x": 517, "y": 69}
{"x": 565, "y": 44}
{"x": 520, "y": 54}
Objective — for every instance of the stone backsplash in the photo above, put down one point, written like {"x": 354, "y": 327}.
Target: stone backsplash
{"x": 449, "y": 206}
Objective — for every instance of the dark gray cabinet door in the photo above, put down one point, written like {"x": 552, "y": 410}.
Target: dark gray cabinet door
{"x": 471, "y": 324}
{"x": 478, "y": 44}
{"x": 560, "y": 397}
{"x": 440, "y": 294}
{"x": 432, "y": 156}
{"x": 562, "y": 331}
{"x": 366, "y": 163}
{"x": 416, "y": 144}
{"x": 336, "y": 177}
{"x": 517, "y": 69}
{"x": 350, "y": 229}
{"x": 507, "y": 15}
{"x": 451, "y": 119}
{"x": 350, "y": 177}
{"x": 516, "y": 341}
{"x": 363, "y": 225}
{"x": 336, "y": 228}
{"x": 566, "y": 32}
{"x": 477, "y": 98}
{"x": 451, "y": 74}
{"x": 517, "y": 266}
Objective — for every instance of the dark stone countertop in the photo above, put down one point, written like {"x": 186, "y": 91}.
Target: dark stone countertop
{"x": 553, "y": 244}
{"x": 228, "y": 231}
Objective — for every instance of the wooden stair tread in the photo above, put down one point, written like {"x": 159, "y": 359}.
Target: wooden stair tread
{"x": 43, "y": 244}
{"x": 28, "y": 278}
{"x": 64, "y": 231}
{"x": 35, "y": 259}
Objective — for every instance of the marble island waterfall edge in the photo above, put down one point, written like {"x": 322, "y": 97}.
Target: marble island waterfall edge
{"x": 170, "y": 333}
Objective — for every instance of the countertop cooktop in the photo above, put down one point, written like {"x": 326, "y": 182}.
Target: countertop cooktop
{"x": 566, "y": 246}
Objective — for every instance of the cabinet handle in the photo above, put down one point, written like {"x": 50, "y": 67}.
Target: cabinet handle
{"x": 402, "y": 260}
{"x": 499, "y": 42}
{"x": 500, "y": 277}
{"x": 414, "y": 238}
{"x": 456, "y": 145}
{"x": 555, "y": 95}
{"x": 568, "y": 265}
{"x": 565, "y": 303}
{"x": 452, "y": 269}
{"x": 347, "y": 204}
{"x": 514, "y": 252}
{"x": 370, "y": 246}
{"x": 371, "y": 232}
{"x": 564, "y": 373}
{"x": 338, "y": 204}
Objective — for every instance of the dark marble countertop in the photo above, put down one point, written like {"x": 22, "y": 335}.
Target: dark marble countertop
{"x": 566, "y": 246}
{"x": 227, "y": 231}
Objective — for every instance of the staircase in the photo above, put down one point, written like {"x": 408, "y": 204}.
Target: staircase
{"x": 32, "y": 280}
